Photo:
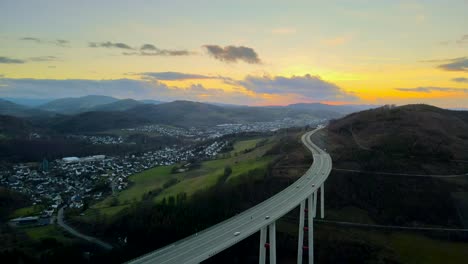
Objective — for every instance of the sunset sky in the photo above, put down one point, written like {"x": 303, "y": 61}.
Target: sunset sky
{"x": 240, "y": 52}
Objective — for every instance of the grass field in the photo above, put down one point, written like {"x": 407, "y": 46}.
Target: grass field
{"x": 26, "y": 211}
{"x": 412, "y": 248}
{"x": 242, "y": 145}
{"x": 50, "y": 231}
{"x": 190, "y": 181}
{"x": 214, "y": 170}
{"x": 142, "y": 183}
{"x": 407, "y": 247}
{"x": 403, "y": 246}
{"x": 351, "y": 214}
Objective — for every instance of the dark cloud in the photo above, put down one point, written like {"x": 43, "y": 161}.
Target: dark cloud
{"x": 145, "y": 49}
{"x": 460, "y": 79}
{"x": 456, "y": 64}
{"x": 430, "y": 89}
{"x": 109, "y": 44}
{"x": 148, "y": 47}
{"x": 61, "y": 42}
{"x": 6, "y": 60}
{"x": 43, "y": 58}
{"x": 57, "y": 42}
{"x": 308, "y": 87}
{"x": 31, "y": 39}
{"x": 167, "y": 53}
{"x": 233, "y": 53}
{"x": 158, "y": 52}
{"x": 171, "y": 76}
{"x": 120, "y": 88}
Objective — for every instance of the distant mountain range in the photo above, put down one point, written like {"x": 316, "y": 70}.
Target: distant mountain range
{"x": 97, "y": 113}
{"x": 77, "y": 105}
{"x": 66, "y": 106}
{"x": 70, "y": 106}
{"x": 179, "y": 113}
{"x": 12, "y": 109}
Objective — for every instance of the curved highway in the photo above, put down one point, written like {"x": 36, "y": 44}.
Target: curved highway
{"x": 207, "y": 243}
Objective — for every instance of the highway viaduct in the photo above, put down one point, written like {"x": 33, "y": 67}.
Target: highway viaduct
{"x": 262, "y": 217}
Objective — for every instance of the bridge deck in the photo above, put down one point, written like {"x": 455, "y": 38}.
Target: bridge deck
{"x": 213, "y": 240}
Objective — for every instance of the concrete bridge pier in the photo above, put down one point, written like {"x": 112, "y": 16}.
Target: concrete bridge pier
{"x": 269, "y": 230}
{"x": 322, "y": 200}
{"x": 311, "y": 211}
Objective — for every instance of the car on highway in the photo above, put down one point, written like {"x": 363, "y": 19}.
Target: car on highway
{"x": 267, "y": 217}
{"x": 236, "y": 233}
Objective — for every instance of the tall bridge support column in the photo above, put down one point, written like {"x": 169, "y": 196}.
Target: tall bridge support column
{"x": 310, "y": 224}
{"x": 272, "y": 239}
{"x": 315, "y": 203}
{"x": 263, "y": 234}
{"x": 300, "y": 242}
{"x": 322, "y": 200}
{"x": 271, "y": 230}
{"x": 311, "y": 211}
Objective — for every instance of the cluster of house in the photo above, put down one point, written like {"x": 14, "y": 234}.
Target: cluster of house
{"x": 200, "y": 134}
{"x": 72, "y": 180}
{"x": 100, "y": 140}
{"x": 225, "y": 129}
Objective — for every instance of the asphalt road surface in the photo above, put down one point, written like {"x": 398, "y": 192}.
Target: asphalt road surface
{"x": 74, "y": 232}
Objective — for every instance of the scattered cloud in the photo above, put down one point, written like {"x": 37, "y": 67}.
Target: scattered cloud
{"x": 430, "y": 89}
{"x": 233, "y": 53}
{"x": 148, "y": 47}
{"x": 284, "y": 31}
{"x": 463, "y": 39}
{"x": 144, "y": 50}
{"x": 43, "y": 58}
{"x": 250, "y": 90}
{"x": 6, "y": 60}
{"x": 108, "y": 44}
{"x": 460, "y": 79}
{"x": 159, "y": 52}
{"x": 172, "y": 76}
{"x": 61, "y": 42}
{"x": 120, "y": 88}
{"x": 456, "y": 64}
{"x": 31, "y": 39}
{"x": 308, "y": 87}
{"x": 57, "y": 42}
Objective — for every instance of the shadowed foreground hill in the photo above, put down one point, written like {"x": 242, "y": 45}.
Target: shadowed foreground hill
{"x": 405, "y": 132}
{"x": 402, "y": 142}
{"x": 11, "y": 126}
